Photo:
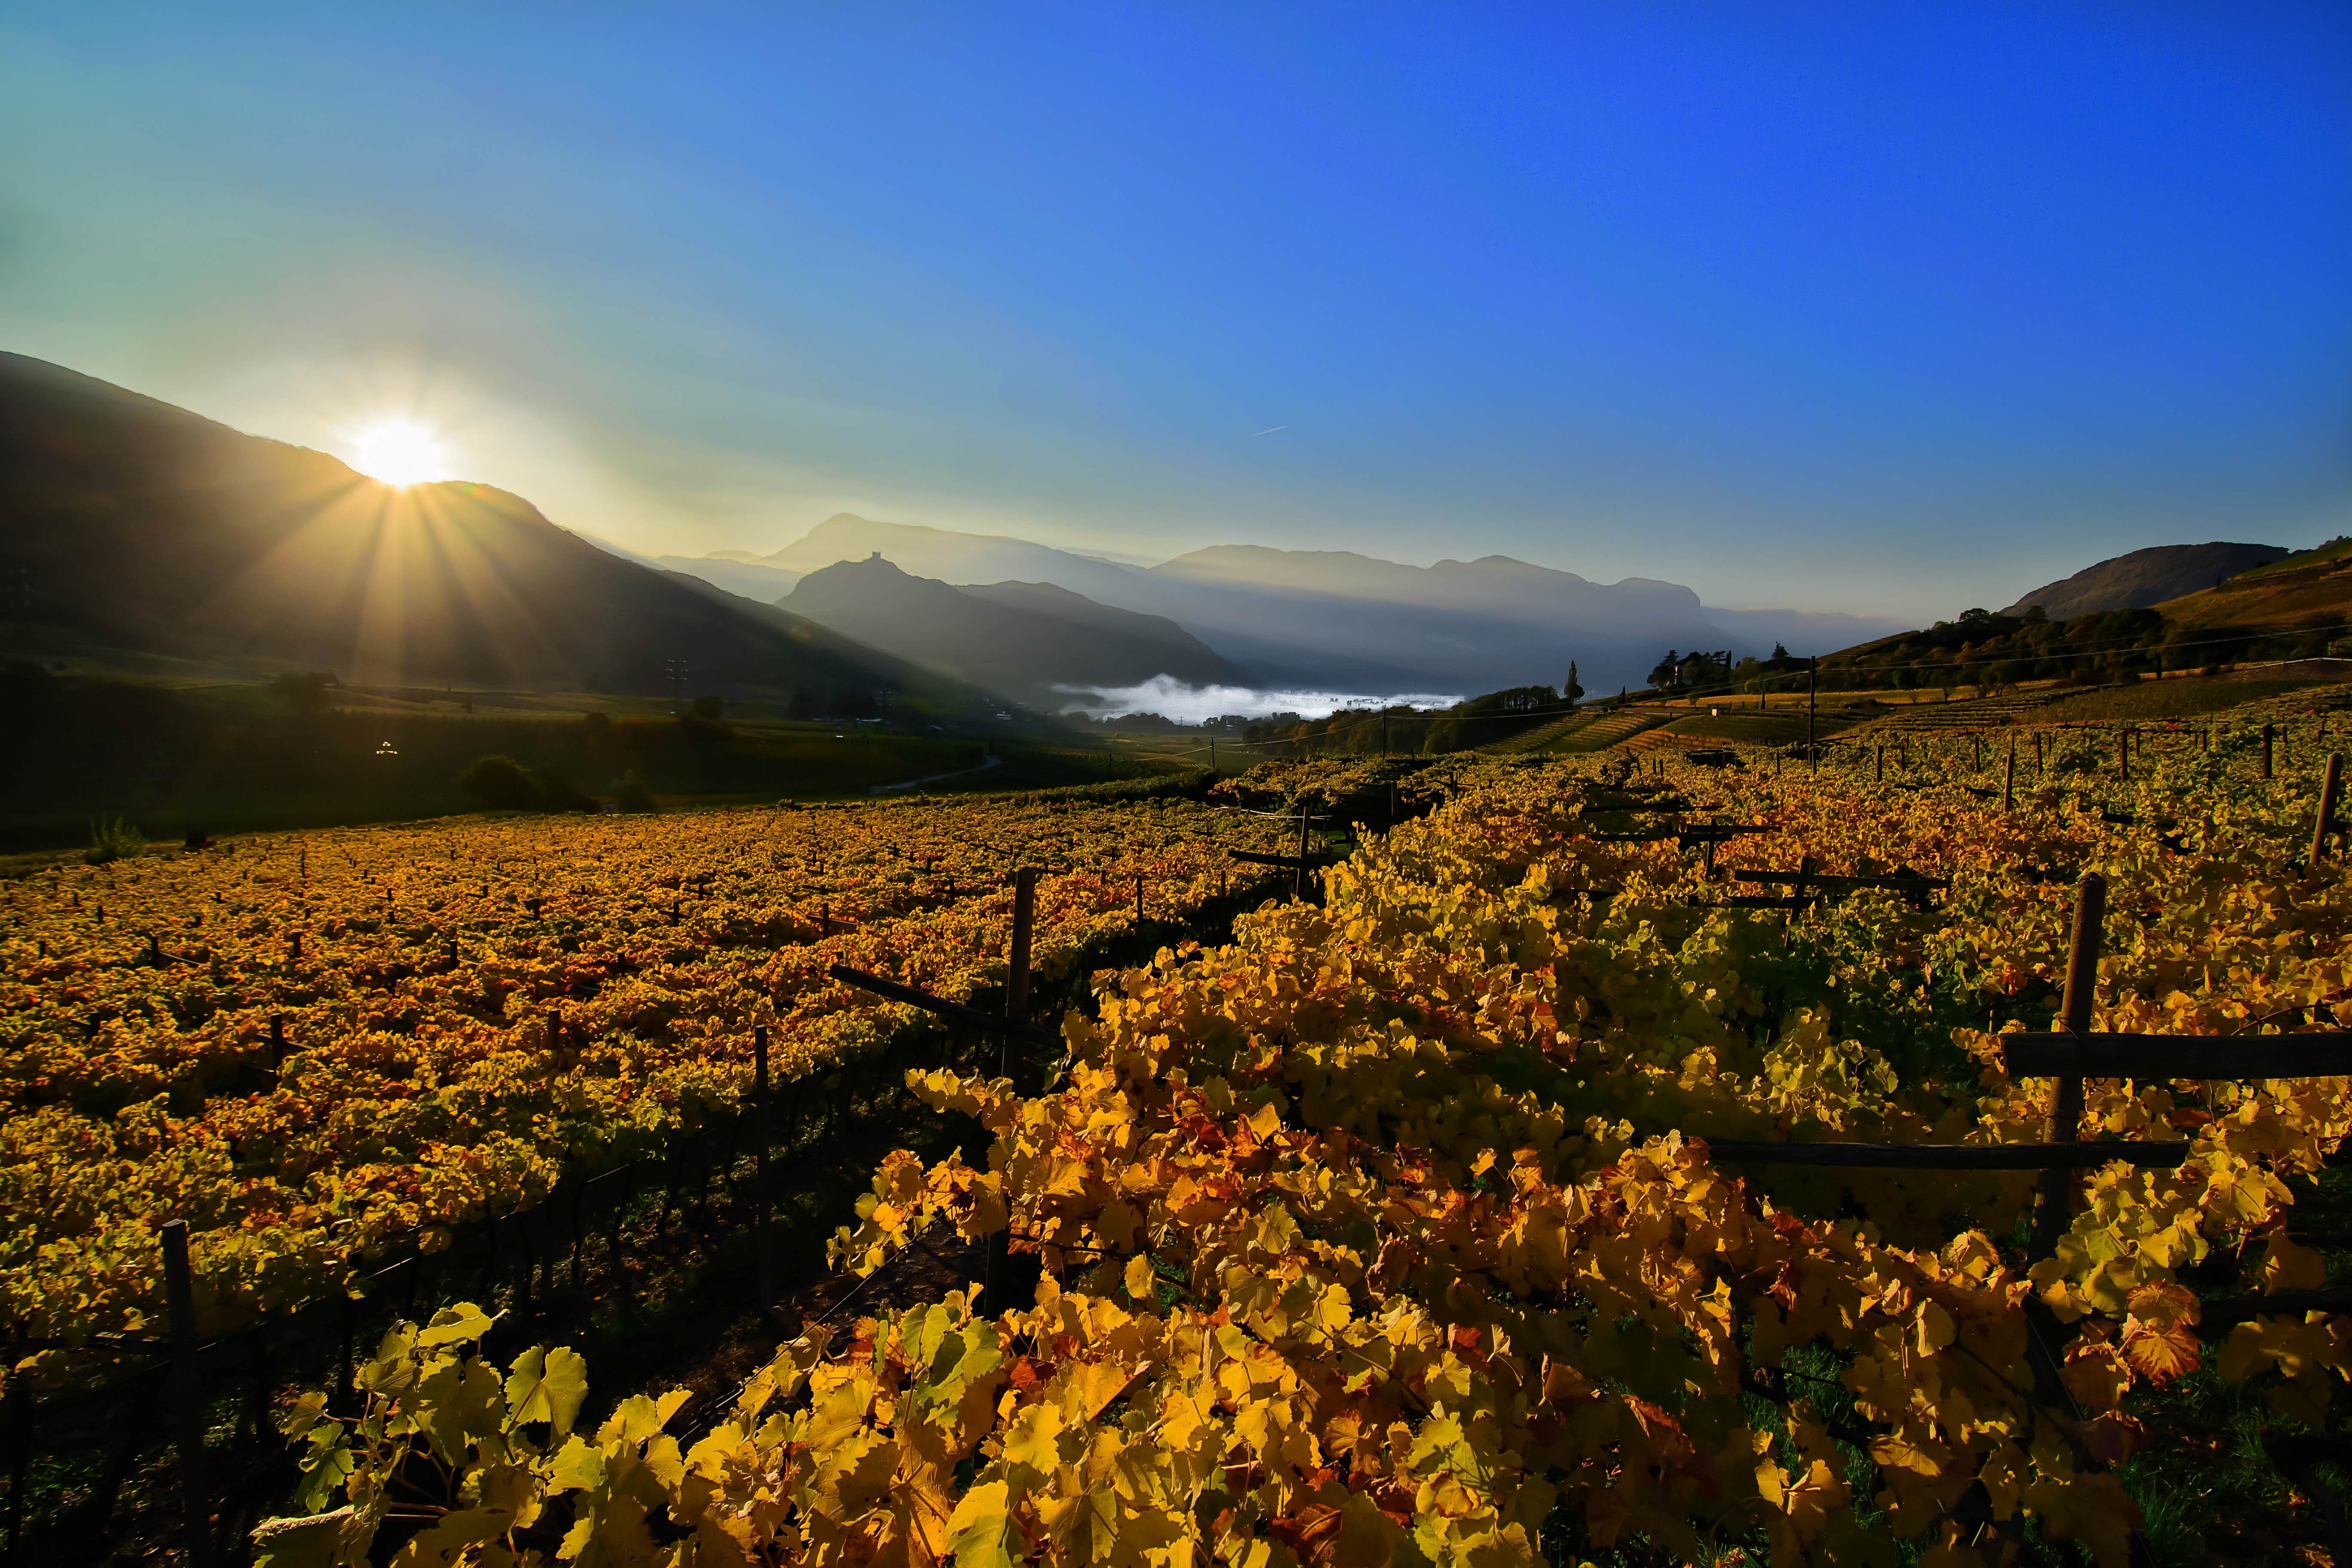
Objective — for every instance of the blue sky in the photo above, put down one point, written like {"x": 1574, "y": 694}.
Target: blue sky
{"x": 1889, "y": 309}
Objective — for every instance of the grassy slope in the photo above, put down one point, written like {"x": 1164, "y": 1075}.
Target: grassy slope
{"x": 2312, "y": 590}
{"x": 231, "y": 758}
{"x": 1740, "y": 722}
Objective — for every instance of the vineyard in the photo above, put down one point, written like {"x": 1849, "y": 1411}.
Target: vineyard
{"x": 1563, "y": 1184}
{"x": 307, "y": 1047}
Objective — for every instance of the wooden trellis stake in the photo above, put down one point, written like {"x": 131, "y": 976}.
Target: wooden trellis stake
{"x": 2051, "y": 1216}
{"x": 1298, "y": 878}
{"x": 187, "y": 1394}
{"x": 2328, "y": 784}
{"x": 996, "y": 1279}
{"x": 2269, "y": 736}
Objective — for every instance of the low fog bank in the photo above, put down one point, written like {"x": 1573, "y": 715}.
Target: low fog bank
{"x": 1179, "y": 703}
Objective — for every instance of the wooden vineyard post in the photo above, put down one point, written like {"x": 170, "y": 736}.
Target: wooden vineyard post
{"x": 1016, "y": 981}
{"x": 1980, "y": 741}
{"x": 2269, "y": 734}
{"x": 760, "y": 1130}
{"x": 2123, "y": 754}
{"x": 2328, "y": 784}
{"x": 1139, "y": 898}
{"x": 1298, "y": 872}
{"x": 1878, "y": 753}
{"x": 17, "y": 1413}
{"x": 1812, "y": 694}
{"x": 996, "y": 1268}
{"x": 2050, "y": 1218}
{"x": 2009, "y": 781}
{"x": 187, "y": 1396}
{"x": 579, "y": 1235}
{"x": 2037, "y": 753}
{"x": 613, "y": 1235}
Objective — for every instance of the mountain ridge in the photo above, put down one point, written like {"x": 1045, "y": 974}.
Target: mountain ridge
{"x": 1022, "y": 640}
{"x": 138, "y": 526}
{"x": 1340, "y": 619}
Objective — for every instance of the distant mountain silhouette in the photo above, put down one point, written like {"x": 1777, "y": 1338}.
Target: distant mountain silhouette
{"x": 1022, "y": 639}
{"x": 764, "y": 584}
{"x": 127, "y": 524}
{"x": 1329, "y": 619}
{"x": 1470, "y": 626}
{"x": 2146, "y": 577}
{"x": 959, "y": 558}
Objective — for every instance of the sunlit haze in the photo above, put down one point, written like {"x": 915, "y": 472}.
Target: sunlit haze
{"x": 399, "y": 453}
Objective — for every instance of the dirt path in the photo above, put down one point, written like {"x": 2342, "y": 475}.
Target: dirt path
{"x": 992, "y": 761}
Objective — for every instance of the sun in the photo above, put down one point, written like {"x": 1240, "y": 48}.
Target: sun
{"x": 399, "y": 453}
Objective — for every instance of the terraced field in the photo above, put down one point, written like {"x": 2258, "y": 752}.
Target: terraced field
{"x": 1582, "y": 732}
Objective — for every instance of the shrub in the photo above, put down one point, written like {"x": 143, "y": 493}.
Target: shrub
{"x": 502, "y": 785}
{"x": 558, "y": 793}
{"x": 634, "y": 795}
{"x": 112, "y": 840}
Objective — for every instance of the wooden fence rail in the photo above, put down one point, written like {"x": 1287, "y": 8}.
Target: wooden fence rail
{"x": 1948, "y": 1156}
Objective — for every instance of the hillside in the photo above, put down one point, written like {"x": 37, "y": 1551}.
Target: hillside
{"x": 2296, "y": 607}
{"x": 2309, "y": 592}
{"x": 2144, "y": 577}
{"x": 1021, "y": 639}
{"x": 129, "y": 526}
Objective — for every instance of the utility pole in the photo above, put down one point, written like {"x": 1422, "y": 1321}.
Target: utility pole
{"x": 675, "y": 669}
